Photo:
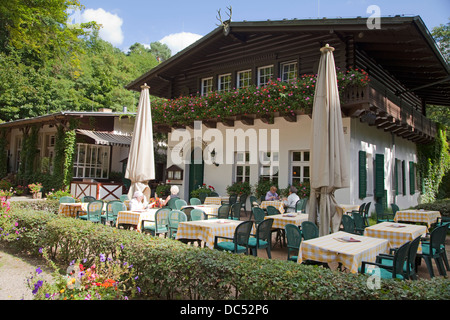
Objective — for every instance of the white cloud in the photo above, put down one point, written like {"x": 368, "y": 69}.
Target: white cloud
{"x": 178, "y": 41}
{"x": 111, "y": 29}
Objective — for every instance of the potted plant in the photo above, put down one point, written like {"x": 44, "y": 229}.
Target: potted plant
{"x": 35, "y": 189}
{"x": 239, "y": 188}
{"x": 6, "y": 193}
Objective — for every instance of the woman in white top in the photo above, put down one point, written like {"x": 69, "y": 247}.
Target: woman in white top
{"x": 137, "y": 203}
{"x": 291, "y": 200}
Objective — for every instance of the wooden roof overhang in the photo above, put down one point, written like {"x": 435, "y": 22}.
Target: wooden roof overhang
{"x": 403, "y": 46}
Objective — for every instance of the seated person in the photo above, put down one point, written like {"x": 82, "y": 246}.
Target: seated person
{"x": 291, "y": 201}
{"x": 138, "y": 203}
{"x": 173, "y": 195}
{"x": 272, "y": 195}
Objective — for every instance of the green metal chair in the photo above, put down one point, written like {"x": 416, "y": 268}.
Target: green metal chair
{"x": 300, "y": 205}
{"x": 66, "y": 199}
{"x": 294, "y": 239}
{"x": 381, "y": 215}
{"x": 232, "y": 199}
{"x": 359, "y": 222}
{"x": 434, "y": 248}
{"x": 309, "y": 230}
{"x": 87, "y": 199}
{"x": 394, "y": 208}
{"x": 392, "y": 270}
{"x": 94, "y": 212}
{"x": 235, "y": 212}
{"x": 348, "y": 223}
{"x": 124, "y": 197}
{"x": 243, "y": 202}
{"x": 197, "y": 214}
{"x": 223, "y": 212}
{"x": 195, "y": 201}
{"x": 409, "y": 268}
{"x": 160, "y": 225}
{"x": 172, "y": 204}
{"x": 366, "y": 214}
{"x": 175, "y": 217}
{"x": 180, "y": 203}
{"x": 259, "y": 215}
{"x": 239, "y": 242}
{"x": 262, "y": 239}
{"x": 202, "y": 196}
{"x": 110, "y": 215}
{"x": 214, "y": 194}
{"x": 271, "y": 210}
{"x": 253, "y": 203}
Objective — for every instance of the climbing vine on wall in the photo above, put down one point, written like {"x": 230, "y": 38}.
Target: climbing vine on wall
{"x": 3, "y": 154}
{"x": 434, "y": 162}
{"x": 64, "y": 150}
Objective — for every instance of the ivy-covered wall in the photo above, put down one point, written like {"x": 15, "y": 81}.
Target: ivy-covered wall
{"x": 433, "y": 164}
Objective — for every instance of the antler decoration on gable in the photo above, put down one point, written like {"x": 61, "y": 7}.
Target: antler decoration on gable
{"x": 226, "y": 23}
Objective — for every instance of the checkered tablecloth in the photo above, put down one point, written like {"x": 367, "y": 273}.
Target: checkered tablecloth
{"x": 70, "y": 209}
{"x": 277, "y": 204}
{"x": 213, "y": 200}
{"x": 428, "y": 217}
{"x": 206, "y": 230}
{"x": 396, "y": 233}
{"x": 208, "y": 209}
{"x": 350, "y": 254}
{"x": 281, "y": 220}
{"x": 135, "y": 217}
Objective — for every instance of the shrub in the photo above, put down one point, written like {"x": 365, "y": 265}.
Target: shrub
{"x": 202, "y": 189}
{"x": 169, "y": 269}
{"x": 263, "y": 186}
{"x": 239, "y": 188}
{"x": 443, "y": 206}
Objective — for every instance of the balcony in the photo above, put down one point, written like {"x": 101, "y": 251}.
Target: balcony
{"x": 377, "y": 108}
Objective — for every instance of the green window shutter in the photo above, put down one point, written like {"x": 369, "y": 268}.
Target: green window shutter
{"x": 379, "y": 175}
{"x": 362, "y": 175}
{"x": 404, "y": 177}
{"x": 412, "y": 178}
{"x": 396, "y": 177}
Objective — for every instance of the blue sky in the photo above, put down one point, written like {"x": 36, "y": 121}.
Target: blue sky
{"x": 179, "y": 23}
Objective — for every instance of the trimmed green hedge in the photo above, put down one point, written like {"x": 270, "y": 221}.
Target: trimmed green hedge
{"x": 168, "y": 269}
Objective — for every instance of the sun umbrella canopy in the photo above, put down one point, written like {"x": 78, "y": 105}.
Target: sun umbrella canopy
{"x": 141, "y": 162}
{"x": 329, "y": 159}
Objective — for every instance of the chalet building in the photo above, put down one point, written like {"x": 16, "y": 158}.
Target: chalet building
{"x": 102, "y": 144}
{"x": 383, "y": 121}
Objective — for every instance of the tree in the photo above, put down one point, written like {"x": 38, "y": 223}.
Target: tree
{"x": 160, "y": 50}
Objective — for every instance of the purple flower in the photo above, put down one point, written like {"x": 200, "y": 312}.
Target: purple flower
{"x": 38, "y": 270}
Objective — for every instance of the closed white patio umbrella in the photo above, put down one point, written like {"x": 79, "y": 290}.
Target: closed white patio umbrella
{"x": 141, "y": 161}
{"x": 329, "y": 159}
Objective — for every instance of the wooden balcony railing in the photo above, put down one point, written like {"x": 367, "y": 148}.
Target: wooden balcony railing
{"x": 404, "y": 119}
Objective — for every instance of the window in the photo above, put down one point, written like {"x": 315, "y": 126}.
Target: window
{"x": 288, "y": 71}
{"x": 207, "y": 85}
{"x": 91, "y": 161}
{"x": 299, "y": 166}
{"x": 18, "y": 151}
{"x": 224, "y": 82}
{"x": 269, "y": 166}
{"x": 264, "y": 75}
{"x": 244, "y": 79}
{"x": 242, "y": 164}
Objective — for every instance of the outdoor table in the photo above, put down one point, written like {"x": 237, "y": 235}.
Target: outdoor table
{"x": 277, "y": 204}
{"x": 346, "y": 208}
{"x": 208, "y": 209}
{"x": 206, "y": 230}
{"x": 423, "y": 216}
{"x": 213, "y": 200}
{"x": 71, "y": 209}
{"x": 396, "y": 233}
{"x": 136, "y": 217}
{"x": 281, "y": 220}
{"x": 332, "y": 248}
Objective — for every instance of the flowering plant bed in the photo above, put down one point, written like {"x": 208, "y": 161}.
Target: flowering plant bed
{"x": 105, "y": 279}
{"x": 285, "y": 98}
